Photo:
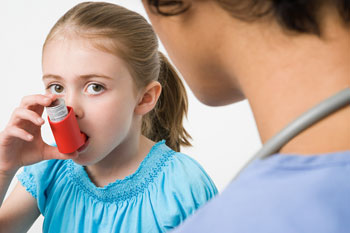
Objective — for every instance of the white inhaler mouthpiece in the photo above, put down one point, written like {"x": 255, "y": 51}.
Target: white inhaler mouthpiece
{"x": 57, "y": 111}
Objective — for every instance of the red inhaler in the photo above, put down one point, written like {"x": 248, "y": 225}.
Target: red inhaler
{"x": 65, "y": 128}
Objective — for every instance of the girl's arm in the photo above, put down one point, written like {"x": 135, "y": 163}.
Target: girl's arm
{"x": 21, "y": 144}
{"x": 19, "y": 211}
{"x": 5, "y": 181}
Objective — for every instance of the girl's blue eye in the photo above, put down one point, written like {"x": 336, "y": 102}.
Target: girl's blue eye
{"x": 56, "y": 89}
{"x": 95, "y": 89}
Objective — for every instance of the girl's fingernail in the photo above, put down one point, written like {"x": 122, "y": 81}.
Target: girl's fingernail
{"x": 29, "y": 137}
{"x": 40, "y": 120}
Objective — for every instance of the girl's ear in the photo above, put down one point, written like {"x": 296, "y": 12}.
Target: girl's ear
{"x": 148, "y": 98}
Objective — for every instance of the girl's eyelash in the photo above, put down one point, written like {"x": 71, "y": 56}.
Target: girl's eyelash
{"x": 51, "y": 84}
{"x": 86, "y": 85}
{"x": 99, "y": 84}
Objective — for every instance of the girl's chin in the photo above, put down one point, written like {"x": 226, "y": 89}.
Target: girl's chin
{"x": 81, "y": 161}
{"x": 84, "y": 160}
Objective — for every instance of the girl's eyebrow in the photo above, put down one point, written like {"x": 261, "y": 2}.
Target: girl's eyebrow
{"x": 51, "y": 76}
{"x": 85, "y": 76}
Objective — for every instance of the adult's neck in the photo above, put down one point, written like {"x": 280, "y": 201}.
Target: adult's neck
{"x": 283, "y": 75}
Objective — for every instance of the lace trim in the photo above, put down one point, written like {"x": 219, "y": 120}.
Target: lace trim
{"x": 129, "y": 187}
{"x": 27, "y": 180}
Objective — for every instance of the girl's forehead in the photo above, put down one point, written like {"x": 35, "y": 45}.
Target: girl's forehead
{"x": 74, "y": 42}
{"x": 88, "y": 39}
{"x": 87, "y": 47}
{"x": 80, "y": 55}
{"x": 82, "y": 46}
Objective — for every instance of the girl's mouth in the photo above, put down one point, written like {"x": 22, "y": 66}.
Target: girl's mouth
{"x": 86, "y": 144}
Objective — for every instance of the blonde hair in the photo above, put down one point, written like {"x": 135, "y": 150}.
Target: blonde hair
{"x": 128, "y": 35}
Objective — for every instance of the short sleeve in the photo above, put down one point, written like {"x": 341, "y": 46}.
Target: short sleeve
{"x": 186, "y": 187}
{"x": 38, "y": 180}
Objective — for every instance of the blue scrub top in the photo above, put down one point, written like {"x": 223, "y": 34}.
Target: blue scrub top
{"x": 281, "y": 194}
{"x": 166, "y": 189}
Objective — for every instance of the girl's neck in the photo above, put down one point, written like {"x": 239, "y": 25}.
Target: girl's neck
{"x": 121, "y": 162}
{"x": 290, "y": 74}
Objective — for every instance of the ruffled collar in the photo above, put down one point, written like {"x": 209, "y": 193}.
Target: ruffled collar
{"x": 130, "y": 186}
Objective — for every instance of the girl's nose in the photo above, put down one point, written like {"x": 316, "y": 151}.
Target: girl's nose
{"x": 79, "y": 113}
{"x": 76, "y": 105}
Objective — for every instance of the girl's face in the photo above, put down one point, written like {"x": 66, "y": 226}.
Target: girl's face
{"x": 100, "y": 89}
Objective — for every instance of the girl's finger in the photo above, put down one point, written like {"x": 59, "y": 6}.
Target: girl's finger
{"x": 26, "y": 114}
{"x": 15, "y": 132}
{"x": 32, "y": 100}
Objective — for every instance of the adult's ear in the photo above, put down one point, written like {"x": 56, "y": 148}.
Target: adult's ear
{"x": 148, "y": 98}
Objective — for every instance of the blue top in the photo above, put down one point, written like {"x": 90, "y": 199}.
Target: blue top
{"x": 282, "y": 194}
{"x": 166, "y": 189}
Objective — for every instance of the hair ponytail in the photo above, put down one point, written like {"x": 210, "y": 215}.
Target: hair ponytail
{"x": 165, "y": 120}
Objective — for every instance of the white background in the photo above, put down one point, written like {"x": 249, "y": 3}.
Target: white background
{"x": 224, "y": 138}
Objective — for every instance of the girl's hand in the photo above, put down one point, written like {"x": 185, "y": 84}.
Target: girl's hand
{"x": 21, "y": 142}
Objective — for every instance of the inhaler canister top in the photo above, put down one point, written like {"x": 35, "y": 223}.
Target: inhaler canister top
{"x": 57, "y": 111}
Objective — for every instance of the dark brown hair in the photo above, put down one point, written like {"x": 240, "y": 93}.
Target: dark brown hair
{"x": 128, "y": 35}
{"x": 301, "y": 16}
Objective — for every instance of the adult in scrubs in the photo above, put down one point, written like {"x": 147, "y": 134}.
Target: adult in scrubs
{"x": 284, "y": 57}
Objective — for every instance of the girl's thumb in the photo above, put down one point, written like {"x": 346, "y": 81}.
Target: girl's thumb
{"x": 51, "y": 152}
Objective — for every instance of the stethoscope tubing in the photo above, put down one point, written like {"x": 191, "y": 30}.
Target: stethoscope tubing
{"x": 304, "y": 121}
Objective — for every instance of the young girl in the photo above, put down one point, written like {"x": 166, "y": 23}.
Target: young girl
{"x": 103, "y": 60}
